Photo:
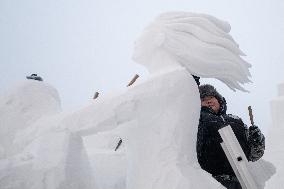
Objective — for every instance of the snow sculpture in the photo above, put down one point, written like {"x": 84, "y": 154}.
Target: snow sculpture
{"x": 36, "y": 153}
{"x": 21, "y": 107}
{"x": 180, "y": 44}
{"x": 157, "y": 118}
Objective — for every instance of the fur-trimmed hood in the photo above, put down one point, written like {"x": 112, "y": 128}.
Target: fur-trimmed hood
{"x": 209, "y": 90}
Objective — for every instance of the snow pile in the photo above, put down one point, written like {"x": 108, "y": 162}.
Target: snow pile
{"x": 157, "y": 119}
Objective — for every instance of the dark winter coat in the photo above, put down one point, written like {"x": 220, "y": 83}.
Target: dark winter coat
{"x": 210, "y": 154}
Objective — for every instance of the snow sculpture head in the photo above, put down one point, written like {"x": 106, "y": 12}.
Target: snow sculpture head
{"x": 200, "y": 43}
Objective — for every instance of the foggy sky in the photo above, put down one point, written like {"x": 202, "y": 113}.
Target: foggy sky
{"x": 81, "y": 47}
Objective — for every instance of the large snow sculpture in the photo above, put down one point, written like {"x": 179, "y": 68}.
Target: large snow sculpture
{"x": 156, "y": 118}
{"x": 180, "y": 44}
{"x": 159, "y": 117}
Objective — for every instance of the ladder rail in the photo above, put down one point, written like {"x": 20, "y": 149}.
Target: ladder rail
{"x": 236, "y": 157}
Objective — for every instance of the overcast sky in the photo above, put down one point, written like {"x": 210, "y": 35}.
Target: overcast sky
{"x": 84, "y": 46}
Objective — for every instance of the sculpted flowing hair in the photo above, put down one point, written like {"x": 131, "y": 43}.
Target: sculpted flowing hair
{"x": 200, "y": 43}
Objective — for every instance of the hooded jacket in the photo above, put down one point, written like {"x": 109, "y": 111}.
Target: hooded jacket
{"x": 210, "y": 154}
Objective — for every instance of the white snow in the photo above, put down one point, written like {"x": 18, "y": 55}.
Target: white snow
{"x": 157, "y": 119}
{"x": 21, "y": 107}
{"x": 275, "y": 146}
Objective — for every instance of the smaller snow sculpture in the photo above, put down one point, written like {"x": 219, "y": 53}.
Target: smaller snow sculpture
{"x": 22, "y": 107}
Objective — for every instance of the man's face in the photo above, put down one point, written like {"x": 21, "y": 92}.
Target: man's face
{"x": 211, "y": 102}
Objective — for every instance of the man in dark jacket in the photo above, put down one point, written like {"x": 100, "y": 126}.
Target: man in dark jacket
{"x": 210, "y": 154}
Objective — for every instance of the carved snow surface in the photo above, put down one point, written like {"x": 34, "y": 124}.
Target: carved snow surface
{"x": 157, "y": 119}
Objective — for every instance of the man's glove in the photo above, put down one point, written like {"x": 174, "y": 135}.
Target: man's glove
{"x": 255, "y": 134}
{"x": 256, "y": 142}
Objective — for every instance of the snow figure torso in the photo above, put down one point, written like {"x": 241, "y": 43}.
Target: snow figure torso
{"x": 158, "y": 141}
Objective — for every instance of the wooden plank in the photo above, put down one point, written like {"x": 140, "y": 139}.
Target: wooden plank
{"x": 96, "y": 95}
{"x": 133, "y": 80}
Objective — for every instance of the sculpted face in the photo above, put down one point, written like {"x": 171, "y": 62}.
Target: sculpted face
{"x": 146, "y": 46}
{"x": 211, "y": 102}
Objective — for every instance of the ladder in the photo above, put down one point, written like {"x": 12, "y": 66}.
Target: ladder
{"x": 236, "y": 157}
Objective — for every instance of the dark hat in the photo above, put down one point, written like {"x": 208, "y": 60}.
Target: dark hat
{"x": 209, "y": 90}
